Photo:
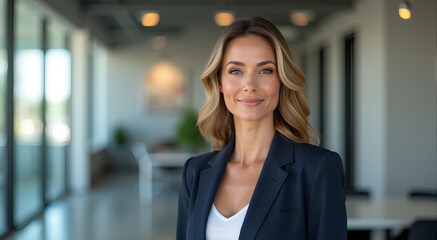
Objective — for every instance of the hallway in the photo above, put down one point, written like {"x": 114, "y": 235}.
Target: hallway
{"x": 110, "y": 211}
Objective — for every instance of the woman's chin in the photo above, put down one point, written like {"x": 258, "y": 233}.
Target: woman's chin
{"x": 251, "y": 117}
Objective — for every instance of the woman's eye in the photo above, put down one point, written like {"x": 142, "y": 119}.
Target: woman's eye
{"x": 266, "y": 71}
{"x": 235, "y": 72}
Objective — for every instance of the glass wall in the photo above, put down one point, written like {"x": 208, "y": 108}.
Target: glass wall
{"x": 28, "y": 97}
{"x": 58, "y": 89}
{"x": 3, "y": 71}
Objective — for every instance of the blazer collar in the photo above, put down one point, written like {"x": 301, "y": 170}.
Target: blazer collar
{"x": 281, "y": 150}
{"x": 224, "y": 154}
{"x": 269, "y": 183}
{"x": 209, "y": 181}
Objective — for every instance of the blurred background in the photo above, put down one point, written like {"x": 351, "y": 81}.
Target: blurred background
{"x": 99, "y": 100}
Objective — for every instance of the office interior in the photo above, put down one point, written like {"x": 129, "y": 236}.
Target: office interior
{"x": 89, "y": 91}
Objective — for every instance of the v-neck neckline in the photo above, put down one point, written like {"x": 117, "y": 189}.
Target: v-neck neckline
{"x": 226, "y": 219}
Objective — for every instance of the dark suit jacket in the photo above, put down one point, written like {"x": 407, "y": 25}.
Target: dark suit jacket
{"x": 299, "y": 194}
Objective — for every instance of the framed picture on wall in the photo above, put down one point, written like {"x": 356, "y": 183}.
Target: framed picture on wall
{"x": 166, "y": 88}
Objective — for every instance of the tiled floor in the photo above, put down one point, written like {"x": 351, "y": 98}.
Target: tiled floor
{"x": 111, "y": 211}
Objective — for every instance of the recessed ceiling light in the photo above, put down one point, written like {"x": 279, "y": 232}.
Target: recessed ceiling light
{"x": 224, "y": 18}
{"x": 404, "y": 10}
{"x": 301, "y": 18}
{"x": 150, "y": 19}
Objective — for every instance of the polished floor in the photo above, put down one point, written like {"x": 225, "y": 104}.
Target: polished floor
{"x": 111, "y": 211}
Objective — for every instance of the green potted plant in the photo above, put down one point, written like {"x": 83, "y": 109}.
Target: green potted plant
{"x": 188, "y": 134}
{"x": 120, "y": 137}
{"x": 120, "y": 148}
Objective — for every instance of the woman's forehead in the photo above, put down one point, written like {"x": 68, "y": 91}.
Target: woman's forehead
{"x": 248, "y": 48}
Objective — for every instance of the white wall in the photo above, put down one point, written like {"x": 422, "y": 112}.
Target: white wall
{"x": 412, "y": 97}
{"x": 389, "y": 122}
{"x": 313, "y": 85}
{"x": 371, "y": 98}
{"x": 100, "y": 77}
{"x": 126, "y": 87}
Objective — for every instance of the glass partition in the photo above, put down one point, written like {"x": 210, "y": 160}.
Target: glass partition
{"x": 3, "y": 73}
{"x": 58, "y": 89}
{"x": 28, "y": 97}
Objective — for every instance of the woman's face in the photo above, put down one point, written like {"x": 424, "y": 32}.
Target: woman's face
{"x": 249, "y": 79}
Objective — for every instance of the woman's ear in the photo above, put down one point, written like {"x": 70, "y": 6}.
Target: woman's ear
{"x": 220, "y": 87}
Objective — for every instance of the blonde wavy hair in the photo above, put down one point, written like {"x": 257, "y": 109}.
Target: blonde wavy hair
{"x": 290, "y": 116}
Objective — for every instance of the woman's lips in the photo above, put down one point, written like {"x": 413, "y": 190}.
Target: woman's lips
{"x": 250, "y": 102}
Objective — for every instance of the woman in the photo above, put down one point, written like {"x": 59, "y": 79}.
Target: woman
{"x": 264, "y": 181}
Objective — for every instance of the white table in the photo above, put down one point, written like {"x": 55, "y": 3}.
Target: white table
{"x": 146, "y": 164}
{"x": 391, "y": 213}
{"x": 170, "y": 159}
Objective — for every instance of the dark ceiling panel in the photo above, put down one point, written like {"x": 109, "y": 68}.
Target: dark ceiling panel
{"x": 108, "y": 22}
{"x": 118, "y": 16}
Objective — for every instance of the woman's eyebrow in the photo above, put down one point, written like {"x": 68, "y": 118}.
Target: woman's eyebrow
{"x": 242, "y": 64}
{"x": 236, "y": 63}
{"x": 266, "y": 62}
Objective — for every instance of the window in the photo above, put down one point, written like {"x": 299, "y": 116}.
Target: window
{"x": 57, "y": 97}
{"x": 28, "y": 124}
{"x": 3, "y": 109}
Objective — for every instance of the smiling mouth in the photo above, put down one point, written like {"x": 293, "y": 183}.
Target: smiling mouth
{"x": 252, "y": 102}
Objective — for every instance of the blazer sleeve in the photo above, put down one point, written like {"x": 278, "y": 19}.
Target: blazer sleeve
{"x": 326, "y": 212}
{"x": 184, "y": 197}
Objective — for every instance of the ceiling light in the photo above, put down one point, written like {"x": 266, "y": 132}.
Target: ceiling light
{"x": 301, "y": 18}
{"x": 224, "y": 18}
{"x": 150, "y": 19}
{"x": 404, "y": 10}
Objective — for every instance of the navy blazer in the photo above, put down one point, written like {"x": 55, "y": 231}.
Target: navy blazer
{"x": 299, "y": 194}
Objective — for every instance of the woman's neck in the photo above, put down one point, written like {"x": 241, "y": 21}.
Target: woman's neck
{"x": 252, "y": 141}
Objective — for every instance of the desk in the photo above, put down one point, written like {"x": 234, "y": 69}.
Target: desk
{"x": 146, "y": 164}
{"x": 389, "y": 213}
{"x": 170, "y": 159}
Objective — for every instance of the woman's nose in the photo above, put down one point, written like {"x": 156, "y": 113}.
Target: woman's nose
{"x": 250, "y": 83}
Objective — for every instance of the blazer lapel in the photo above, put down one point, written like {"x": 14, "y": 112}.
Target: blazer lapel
{"x": 209, "y": 181}
{"x": 269, "y": 183}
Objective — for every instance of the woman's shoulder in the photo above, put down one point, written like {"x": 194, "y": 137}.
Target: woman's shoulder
{"x": 310, "y": 149}
{"x": 197, "y": 163}
{"x": 315, "y": 156}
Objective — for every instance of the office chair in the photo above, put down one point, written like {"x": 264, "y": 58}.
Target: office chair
{"x": 147, "y": 187}
{"x": 423, "y": 193}
{"x": 423, "y": 230}
{"x": 416, "y": 193}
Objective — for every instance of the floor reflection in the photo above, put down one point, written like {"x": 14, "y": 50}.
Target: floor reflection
{"x": 110, "y": 211}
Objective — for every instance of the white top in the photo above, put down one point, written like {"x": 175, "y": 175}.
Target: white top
{"x": 220, "y": 227}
